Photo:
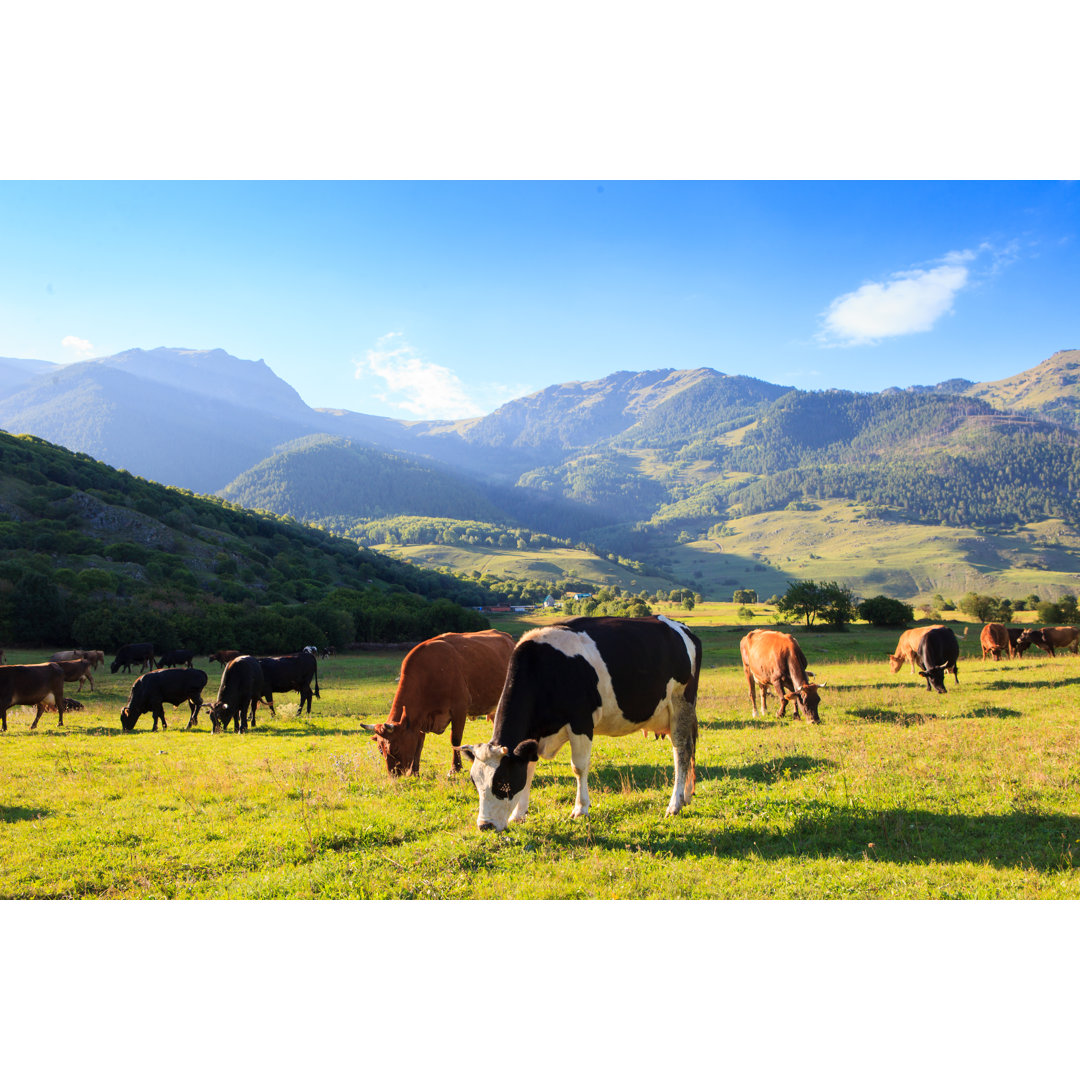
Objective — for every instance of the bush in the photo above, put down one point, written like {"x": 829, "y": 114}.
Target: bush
{"x": 885, "y": 611}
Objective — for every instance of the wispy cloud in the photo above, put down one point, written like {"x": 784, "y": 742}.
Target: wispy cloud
{"x": 80, "y": 346}
{"x": 908, "y": 302}
{"x": 423, "y": 388}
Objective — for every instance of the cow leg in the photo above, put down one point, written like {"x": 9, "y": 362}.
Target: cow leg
{"x": 414, "y": 768}
{"x": 778, "y": 690}
{"x": 522, "y": 807}
{"x": 3, "y": 719}
{"x": 752, "y": 684}
{"x": 580, "y": 754}
{"x": 683, "y": 746}
{"x": 457, "y": 729}
{"x": 40, "y": 710}
{"x": 194, "y": 719}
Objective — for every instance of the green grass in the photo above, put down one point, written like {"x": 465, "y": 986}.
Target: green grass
{"x": 898, "y": 794}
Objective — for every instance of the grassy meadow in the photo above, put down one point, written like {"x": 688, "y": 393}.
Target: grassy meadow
{"x": 898, "y": 794}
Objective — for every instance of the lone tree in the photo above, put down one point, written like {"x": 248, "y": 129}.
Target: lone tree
{"x": 885, "y": 611}
{"x": 829, "y": 602}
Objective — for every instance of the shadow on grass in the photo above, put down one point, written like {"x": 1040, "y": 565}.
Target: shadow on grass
{"x": 10, "y": 814}
{"x": 661, "y": 777}
{"x": 890, "y": 716}
{"x": 1037, "y": 684}
{"x": 1032, "y": 840}
{"x": 739, "y": 725}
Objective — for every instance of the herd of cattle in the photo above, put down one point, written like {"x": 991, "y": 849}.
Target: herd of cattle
{"x": 566, "y": 682}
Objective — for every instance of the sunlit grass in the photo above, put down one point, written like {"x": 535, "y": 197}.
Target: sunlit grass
{"x": 898, "y": 793}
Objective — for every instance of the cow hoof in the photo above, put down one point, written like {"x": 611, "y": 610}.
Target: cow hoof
{"x": 579, "y": 812}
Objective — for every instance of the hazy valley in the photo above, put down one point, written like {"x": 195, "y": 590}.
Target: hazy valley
{"x": 692, "y": 478}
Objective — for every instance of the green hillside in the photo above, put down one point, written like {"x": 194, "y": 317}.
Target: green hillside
{"x": 93, "y": 556}
{"x": 331, "y": 481}
{"x": 1050, "y": 389}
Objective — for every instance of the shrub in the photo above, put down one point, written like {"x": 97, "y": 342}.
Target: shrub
{"x": 885, "y": 611}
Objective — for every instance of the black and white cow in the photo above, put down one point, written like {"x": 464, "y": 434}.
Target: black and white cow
{"x": 572, "y": 680}
{"x": 937, "y": 653}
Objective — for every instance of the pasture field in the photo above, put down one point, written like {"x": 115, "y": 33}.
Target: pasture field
{"x": 897, "y": 794}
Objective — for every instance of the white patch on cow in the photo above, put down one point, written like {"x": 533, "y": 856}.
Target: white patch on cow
{"x": 681, "y": 630}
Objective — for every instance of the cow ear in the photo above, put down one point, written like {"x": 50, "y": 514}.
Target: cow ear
{"x": 469, "y": 752}
{"x": 527, "y": 750}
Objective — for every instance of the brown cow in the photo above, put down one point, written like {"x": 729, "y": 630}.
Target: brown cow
{"x": 771, "y": 658}
{"x": 1050, "y": 638}
{"x": 994, "y": 638}
{"x": 224, "y": 656}
{"x": 907, "y": 647}
{"x": 444, "y": 680}
{"x": 77, "y": 671}
{"x": 1014, "y": 633}
{"x": 31, "y": 684}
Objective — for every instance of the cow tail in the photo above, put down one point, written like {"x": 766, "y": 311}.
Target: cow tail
{"x": 317, "y": 681}
{"x": 690, "y": 694}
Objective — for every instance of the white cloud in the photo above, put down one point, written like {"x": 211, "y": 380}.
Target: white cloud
{"x": 414, "y": 384}
{"x": 909, "y": 302}
{"x": 81, "y": 347}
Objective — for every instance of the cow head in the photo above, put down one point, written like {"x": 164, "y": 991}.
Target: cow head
{"x": 807, "y": 696}
{"x": 400, "y": 745}
{"x": 127, "y": 722}
{"x": 935, "y": 678}
{"x": 1026, "y": 640}
{"x": 500, "y": 776}
{"x": 895, "y": 663}
{"x": 114, "y": 667}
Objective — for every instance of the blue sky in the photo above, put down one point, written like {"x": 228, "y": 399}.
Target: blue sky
{"x": 442, "y": 299}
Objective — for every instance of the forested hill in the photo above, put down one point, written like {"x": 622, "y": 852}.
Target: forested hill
{"x": 329, "y": 480}
{"x": 93, "y": 556}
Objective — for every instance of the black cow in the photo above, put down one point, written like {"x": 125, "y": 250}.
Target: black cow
{"x": 150, "y": 693}
{"x": 572, "y": 680}
{"x": 239, "y": 692}
{"x": 126, "y": 655}
{"x": 177, "y": 658}
{"x": 937, "y": 653}
{"x": 292, "y": 672}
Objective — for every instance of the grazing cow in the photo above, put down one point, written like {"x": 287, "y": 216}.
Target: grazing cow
{"x": 772, "y": 658}
{"x": 907, "y": 647}
{"x": 239, "y": 692}
{"x": 224, "y": 656}
{"x": 150, "y": 693}
{"x": 126, "y": 655}
{"x": 77, "y": 671}
{"x": 1049, "y": 638}
{"x": 938, "y": 652}
{"x": 587, "y": 676}
{"x": 444, "y": 680}
{"x": 994, "y": 639}
{"x": 291, "y": 672}
{"x": 31, "y": 684}
{"x": 1014, "y": 633}
{"x": 177, "y": 658}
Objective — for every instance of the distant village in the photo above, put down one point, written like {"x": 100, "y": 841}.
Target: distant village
{"x": 550, "y": 603}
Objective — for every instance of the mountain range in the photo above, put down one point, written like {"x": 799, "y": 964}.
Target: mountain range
{"x": 677, "y": 468}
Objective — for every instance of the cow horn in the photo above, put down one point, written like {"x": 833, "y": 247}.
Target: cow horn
{"x": 369, "y": 727}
